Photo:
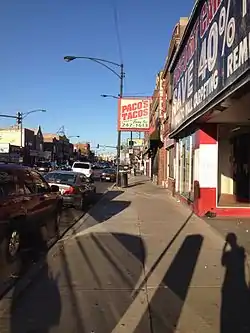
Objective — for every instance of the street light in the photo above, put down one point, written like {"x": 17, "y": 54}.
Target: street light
{"x": 73, "y": 136}
{"x": 106, "y": 63}
{"x": 112, "y": 96}
{"x": 23, "y": 115}
{"x": 19, "y": 118}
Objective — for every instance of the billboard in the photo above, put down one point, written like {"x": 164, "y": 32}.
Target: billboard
{"x": 214, "y": 54}
{"x": 133, "y": 114}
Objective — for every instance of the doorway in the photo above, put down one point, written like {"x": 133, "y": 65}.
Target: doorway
{"x": 241, "y": 167}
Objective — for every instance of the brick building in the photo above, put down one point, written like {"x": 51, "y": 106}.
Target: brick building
{"x": 152, "y": 138}
{"x": 166, "y": 171}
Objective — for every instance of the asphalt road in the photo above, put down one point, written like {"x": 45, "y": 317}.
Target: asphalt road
{"x": 69, "y": 217}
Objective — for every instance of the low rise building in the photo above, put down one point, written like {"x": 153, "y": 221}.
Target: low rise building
{"x": 57, "y": 148}
{"x": 24, "y": 138}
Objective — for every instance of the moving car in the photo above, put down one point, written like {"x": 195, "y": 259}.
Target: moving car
{"x": 108, "y": 175}
{"x": 27, "y": 204}
{"x": 84, "y": 168}
{"x": 76, "y": 189}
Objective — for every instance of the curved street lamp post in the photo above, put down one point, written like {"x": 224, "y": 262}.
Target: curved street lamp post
{"x": 19, "y": 117}
{"x": 120, "y": 75}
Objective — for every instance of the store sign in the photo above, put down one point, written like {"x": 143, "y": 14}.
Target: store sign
{"x": 216, "y": 53}
{"x": 133, "y": 114}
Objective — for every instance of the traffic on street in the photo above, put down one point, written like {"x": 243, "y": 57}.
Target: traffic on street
{"x": 39, "y": 210}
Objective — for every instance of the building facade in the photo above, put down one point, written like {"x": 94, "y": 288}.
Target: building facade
{"x": 210, "y": 110}
{"x": 57, "y": 148}
{"x": 168, "y": 151}
{"x": 24, "y": 139}
{"x": 82, "y": 150}
{"x": 152, "y": 138}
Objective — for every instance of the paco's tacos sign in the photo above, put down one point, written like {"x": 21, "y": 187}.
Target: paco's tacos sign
{"x": 133, "y": 114}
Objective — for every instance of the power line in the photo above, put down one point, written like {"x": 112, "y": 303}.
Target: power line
{"x": 116, "y": 21}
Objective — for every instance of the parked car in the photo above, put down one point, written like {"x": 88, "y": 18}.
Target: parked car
{"x": 76, "y": 189}
{"x": 97, "y": 171}
{"x": 108, "y": 175}
{"x": 84, "y": 168}
{"x": 27, "y": 203}
{"x": 43, "y": 167}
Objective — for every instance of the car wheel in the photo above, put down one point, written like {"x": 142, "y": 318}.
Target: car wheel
{"x": 57, "y": 222}
{"x": 11, "y": 245}
{"x": 80, "y": 205}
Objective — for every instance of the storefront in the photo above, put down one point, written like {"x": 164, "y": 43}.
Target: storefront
{"x": 210, "y": 113}
{"x": 170, "y": 160}
{"x": 186, "y": 169}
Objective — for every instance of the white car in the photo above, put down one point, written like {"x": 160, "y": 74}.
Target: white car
{"x": 83, "y": 167}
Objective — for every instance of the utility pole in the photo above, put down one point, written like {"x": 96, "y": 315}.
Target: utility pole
{"x": 118, "y": 180}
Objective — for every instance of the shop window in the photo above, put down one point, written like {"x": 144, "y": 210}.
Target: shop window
{"x": 186, "y": 171}
{"x": 171, "y": 155}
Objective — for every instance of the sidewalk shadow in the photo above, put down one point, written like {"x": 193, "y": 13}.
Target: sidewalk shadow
{"x": 235, "y": 302}
{"x": 166, "y": 304}
{"x": 36, "y": 308}
{"x": 136, "y": 184}
{"x": 109, "y": 207}
{"x": 109, "y": 276}
{"x": 110, "y": 195}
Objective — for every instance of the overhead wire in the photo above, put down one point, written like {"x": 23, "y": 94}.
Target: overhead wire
{"x": 117, "y": 30}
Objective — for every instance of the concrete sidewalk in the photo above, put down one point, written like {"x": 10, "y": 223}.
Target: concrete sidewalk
{"x": 140, "y": 262}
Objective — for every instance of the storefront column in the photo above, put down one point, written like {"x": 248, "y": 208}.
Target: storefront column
{"x": 205, "y": 170}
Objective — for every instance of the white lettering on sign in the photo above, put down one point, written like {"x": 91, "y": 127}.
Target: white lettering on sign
{"x": 239, "y": 56}
{"x": 209, "y": 86}
{"x": 210, "y": 56}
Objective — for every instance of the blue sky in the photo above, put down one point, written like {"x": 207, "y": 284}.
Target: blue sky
{"x": 36, "y": 35}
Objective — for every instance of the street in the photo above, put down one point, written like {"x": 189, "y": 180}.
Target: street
{"x": 69, "y": 217}
{"x": 133, "y": 269}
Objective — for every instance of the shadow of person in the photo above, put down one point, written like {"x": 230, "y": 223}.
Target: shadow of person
{"x": 235, "y": 293}
{"x": 38, "y": 308}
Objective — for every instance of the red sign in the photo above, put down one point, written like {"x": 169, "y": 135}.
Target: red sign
{"x": 133, "y": 114}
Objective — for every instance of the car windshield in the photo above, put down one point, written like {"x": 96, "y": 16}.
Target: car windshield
{"x": 109, "y": 171}
{"x": 81, "y": 165}
{"x": 60, "y": 177}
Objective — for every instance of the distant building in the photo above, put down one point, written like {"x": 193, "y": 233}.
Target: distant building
{"x": 30, "y": 140}
{"x": 57, "y": 148}
{"x": 82, "y": 150}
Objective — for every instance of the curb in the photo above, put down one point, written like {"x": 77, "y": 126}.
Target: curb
{"x": 17, "y": 289}
{"x": 82, "y": 220}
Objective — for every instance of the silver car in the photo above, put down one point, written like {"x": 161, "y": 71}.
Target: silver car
{"x": 76, "y": 189}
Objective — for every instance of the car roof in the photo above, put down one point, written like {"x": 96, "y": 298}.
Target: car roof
{"x": 65, "y": 172}
{"x": 13, "y": 166}
{"x": 82, "y": 162}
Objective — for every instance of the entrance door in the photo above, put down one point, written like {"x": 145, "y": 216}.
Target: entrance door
{"x": 241, "y": 154}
